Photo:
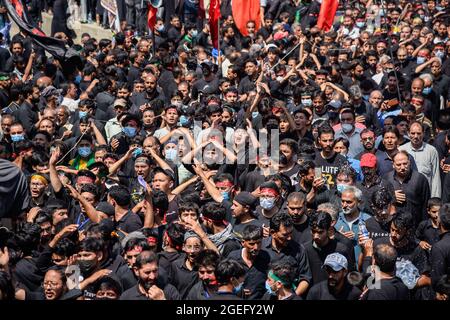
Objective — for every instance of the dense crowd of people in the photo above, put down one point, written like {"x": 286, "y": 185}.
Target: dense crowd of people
{"x": 289, "y": 163}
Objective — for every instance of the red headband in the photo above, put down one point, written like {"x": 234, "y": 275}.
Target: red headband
{"x": 84, "y": 179}
{"x": 225, "y": 184}
{"x": 272, "y": 192}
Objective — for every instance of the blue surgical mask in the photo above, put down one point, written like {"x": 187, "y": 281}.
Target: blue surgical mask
{"x": 420, "y": 60}
{"x": 84, "y": 151}
{"x": 77, "y": 79}
{"x": 237, "y": 289}
{"x": 137, "y": 152}
{"x": 426, "y": 90}
{"x": 129, "y": 131}
{"x": 82, "y": 114}
{"x": 360, "y": 24}
{"x": 171, "y": 154}
{"x": 267, "y": 203}
{"x": 340, "y": 187}
{"x": 17, "y": 137}
{"x": 307, "y": 102}
{"x": 160, "y": 28}
{"x": 440, "y": 54}
{"x": 269, "y": 289}
{"x": 347, "y": 127}
{"x": 255, "y": 114}
{"x": 225, "y": 195}
{"x": 194, "y": 33}
{"x": 184, "y": 120}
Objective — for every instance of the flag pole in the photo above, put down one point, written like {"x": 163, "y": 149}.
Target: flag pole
{"x": 219, "y": 60}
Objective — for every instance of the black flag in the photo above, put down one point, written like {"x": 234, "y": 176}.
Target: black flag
{"x": 54, "y": 46}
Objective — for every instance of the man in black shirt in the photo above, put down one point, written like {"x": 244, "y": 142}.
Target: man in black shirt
{"x": 387, "y": 286}
{"x": 280, "y": 246}
{"x": 150, "y": 286}
{"x": 230, "y": 279}
{"x": 126, "y": 221}
{"x": 182, "y": 274}
{"x": 244, "y": 204}
{"x": 254, "y": 260}
{"x": 296, "y": 208}
{"x": 336, "y": 287}
{"x": 412, "y": 189}
{"x": 322, "y": 245}
{"x": 382, "y": 204}
{"x": 206, "y": 263}
{"x": 280, "y": 282}
{"x": 328, "y": 160}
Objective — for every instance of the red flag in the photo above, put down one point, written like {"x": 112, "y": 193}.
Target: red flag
{"x": 245, "y": 11}
{"x": 19, "y": 8}
{"x": 214, "y": 16}
{"x": 151, "y": 18}
{"x": 326, "y": 15}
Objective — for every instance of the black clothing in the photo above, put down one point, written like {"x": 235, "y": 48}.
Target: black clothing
{"x": 417, "y": 191}
{"x": 390, "y": 290}
{"x": 170, "y": 292}
{"x": 321, "y": 291}
{"x": 256, "y": 275}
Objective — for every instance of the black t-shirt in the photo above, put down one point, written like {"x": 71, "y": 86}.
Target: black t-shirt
{"x": 390, "y": 290}
{"x": 129, "y": 222}
{"x": 321, "y": 291}
{"x": 330, "y": 166}
{"x": 181, "y": 277}
{"x": 376, "y": 229}
{"x": 238, "y": 228}
{"x": 170, "y": 292}
{"x": 256, "y": 275}
{"x": 426, "y": 232}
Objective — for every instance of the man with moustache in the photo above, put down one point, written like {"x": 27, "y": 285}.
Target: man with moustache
{"x": 149, "y": 286}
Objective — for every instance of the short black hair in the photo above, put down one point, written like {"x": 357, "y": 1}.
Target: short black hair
{"x": 121, "y": 195}
{"x": 214, "y": 211}
{"x": 227, "y": 269}
{"x": 385, "y": 257}
{"x": 279, "y": 219}
{"x": 91, "y": 244}
{"x": 252, "y": 233}
{"x": 434, "y": 202}
{"x": 320, "y": 220}
{"x": 206, "y": 258}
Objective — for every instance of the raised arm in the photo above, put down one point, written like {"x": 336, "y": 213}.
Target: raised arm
{"x": 54, "y": 178}
{"x": 210, "y": 188}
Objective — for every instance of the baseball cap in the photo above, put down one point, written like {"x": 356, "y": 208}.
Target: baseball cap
{"x": 336, "y": 261}
{"x": 120, "y": 102}
{"x": 165, "y": 172}
{"x": 368, "y": 160}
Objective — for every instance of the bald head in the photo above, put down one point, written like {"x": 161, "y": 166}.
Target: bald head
{"x": 43, "y": 82}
